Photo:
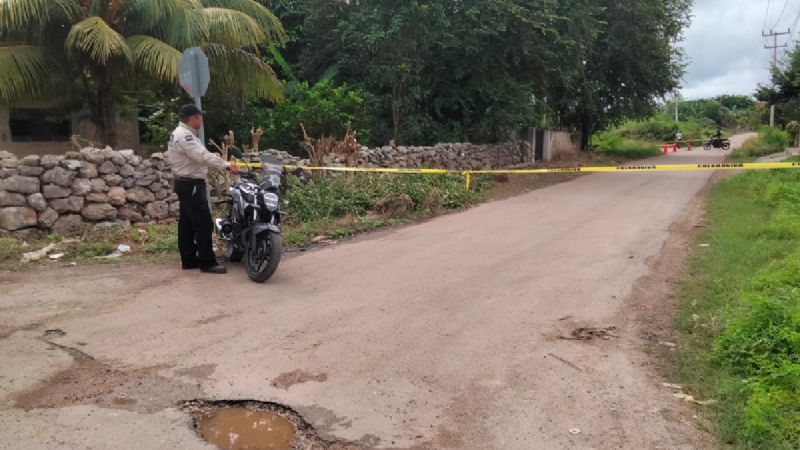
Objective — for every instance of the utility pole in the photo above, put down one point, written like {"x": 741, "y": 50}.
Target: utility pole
{"x": 676, "y": 106}
{"x": 774, "y": 47}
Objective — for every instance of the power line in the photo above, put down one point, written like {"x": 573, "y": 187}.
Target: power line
{"x": 780, "y": 16}
{"x": 766, "y": 16}
{"x": 794, "y": 24}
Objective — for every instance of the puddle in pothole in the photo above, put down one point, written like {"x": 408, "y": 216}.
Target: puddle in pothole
{"x": 255, "y": 425}
{"x": 243, "y": 428}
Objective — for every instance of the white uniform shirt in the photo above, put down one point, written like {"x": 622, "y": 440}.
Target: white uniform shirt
{"x": 188, "y": 156}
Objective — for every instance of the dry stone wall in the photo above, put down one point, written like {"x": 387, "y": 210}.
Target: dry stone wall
{"x": 63, "y": 193}
{"x": 443, "y": 156}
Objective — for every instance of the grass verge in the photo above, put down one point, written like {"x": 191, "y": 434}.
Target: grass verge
{"x": 147, "y": 243}
{"x": 740, "y": 312}
{"x": 340, "y": 206}
{"x": 768, "y": 141}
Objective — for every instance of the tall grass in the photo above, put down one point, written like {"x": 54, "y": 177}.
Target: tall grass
{"x": 740, "y": 312}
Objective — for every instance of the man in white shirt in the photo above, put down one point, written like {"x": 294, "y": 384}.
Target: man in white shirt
{"x": 190, "y": 161}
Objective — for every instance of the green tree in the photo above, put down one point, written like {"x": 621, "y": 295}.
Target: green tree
{"x": 479, "y": 69}
{"x": 785, "y": 90}
{"x": 96, "y": 49}
{"x": 633, "y": 60}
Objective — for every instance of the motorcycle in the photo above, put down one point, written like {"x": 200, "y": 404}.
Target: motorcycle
{"x": 251, "y": 231}
{"x": 715, "y": 142}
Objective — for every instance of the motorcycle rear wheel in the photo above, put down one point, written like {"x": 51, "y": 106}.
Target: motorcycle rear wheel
{"x": 262, "y": 256}
{"x": 707, "y": 146}
{"x": 726, "y": 146}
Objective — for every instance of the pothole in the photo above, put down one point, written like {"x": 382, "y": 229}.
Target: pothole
{"x": 591, "y": 333}
{"x": 254, "y": 425}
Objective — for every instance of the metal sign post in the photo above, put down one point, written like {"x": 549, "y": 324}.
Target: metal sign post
{"x": 194, "y": 77}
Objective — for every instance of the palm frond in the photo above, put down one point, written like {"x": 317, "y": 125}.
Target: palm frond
{"x": 269, "y": 23}
{"x": 25, "y": 72}
{"x": 239, "y": 71}
{"x": 93, "y": 38}
{"x": 182, "y": 29}
{"x": 28, "y": 13}
{"x": 233, "y": 28}
{"x": 143, "y": 14}
{"x": 155, "y": 57}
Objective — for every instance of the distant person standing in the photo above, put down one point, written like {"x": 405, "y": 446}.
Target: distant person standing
{"x": 190, "y": 161}
{"x": 679, "y": 138}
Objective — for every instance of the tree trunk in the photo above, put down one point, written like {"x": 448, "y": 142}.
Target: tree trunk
{"x": 395, "y": 112}
{"x": 108, "y": 111}
{"x": 586, "y": 134}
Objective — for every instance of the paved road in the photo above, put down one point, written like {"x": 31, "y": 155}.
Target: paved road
{"x": 439, "y": 335}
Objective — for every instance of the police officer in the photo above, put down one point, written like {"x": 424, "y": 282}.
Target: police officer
{"x": 190, "y": 161}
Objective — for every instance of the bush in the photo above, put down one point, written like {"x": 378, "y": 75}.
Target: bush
{"x": 615, "y": 145}
{"x": 769, "y": 140}
{"x": 662, "y": 128}
{"x": 323, "y": 109}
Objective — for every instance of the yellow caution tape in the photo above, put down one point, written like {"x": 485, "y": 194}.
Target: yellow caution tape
{"x": 651, "y": 168}
{"x": 356, "y": 169}
{"x": 590, "y": 169}
{"x": 644, "y": 168}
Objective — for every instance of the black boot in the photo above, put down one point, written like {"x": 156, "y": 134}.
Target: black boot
{"x": 217, "y": 269}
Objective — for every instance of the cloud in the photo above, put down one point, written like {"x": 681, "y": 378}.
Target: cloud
{"x": 725, "y": 48}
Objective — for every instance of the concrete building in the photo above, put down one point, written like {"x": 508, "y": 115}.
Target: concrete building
{"x": 32, "y": 128}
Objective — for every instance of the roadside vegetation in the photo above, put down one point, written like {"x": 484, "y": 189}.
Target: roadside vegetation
{"x": 340, "y": 206}
{"x": 95, "y": 246}
{"x": 645, "y": 138}
{"x": 768, "y": 141}
{"x": 699, "y": 119}
{"x": 740, "y": 312}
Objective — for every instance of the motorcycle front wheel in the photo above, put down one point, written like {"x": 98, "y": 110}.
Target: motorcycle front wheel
{"x": 262, "y": 256}
{"x": 707, "y": 146}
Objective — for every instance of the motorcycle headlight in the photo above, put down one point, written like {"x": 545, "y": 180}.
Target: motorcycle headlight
{"x": 271, "y": 201}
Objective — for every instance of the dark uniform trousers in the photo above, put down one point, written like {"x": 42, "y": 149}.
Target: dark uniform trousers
{"x": 195, "y": 225}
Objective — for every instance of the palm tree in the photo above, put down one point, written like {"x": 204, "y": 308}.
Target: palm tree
{"x": 60, "y": 48}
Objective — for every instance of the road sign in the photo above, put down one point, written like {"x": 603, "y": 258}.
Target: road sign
{"x": 193, "y": 72}
{"x": 194, "y": 76}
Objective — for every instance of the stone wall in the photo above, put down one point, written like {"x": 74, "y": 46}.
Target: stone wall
{"x": 444, "y": 156}
{"x": 64, "y": 192}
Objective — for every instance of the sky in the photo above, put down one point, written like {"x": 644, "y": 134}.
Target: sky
{"x": 724, "y": 46}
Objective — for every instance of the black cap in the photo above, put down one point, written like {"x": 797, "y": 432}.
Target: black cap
{"x": 189, "y": 111}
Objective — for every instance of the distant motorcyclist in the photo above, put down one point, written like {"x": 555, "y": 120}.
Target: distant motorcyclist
{"x": 719, "y": 133}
